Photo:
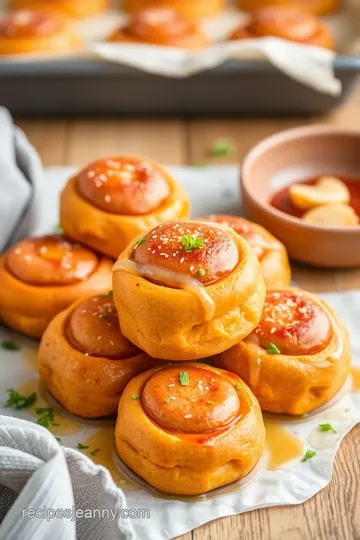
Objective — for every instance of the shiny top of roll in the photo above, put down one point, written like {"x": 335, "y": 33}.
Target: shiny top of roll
{"x": 29, "y": 24}
{"x": 197, "y": 249}
{"x": 293, "y": 322}
{"x": 190, "y": 400}
{"x": 121, "y": 185}
{"x": 245, "y": 229}
{"x": 93, "y": 329}
{"x": 50, "y": 260}
{"x": 159, "y": 26}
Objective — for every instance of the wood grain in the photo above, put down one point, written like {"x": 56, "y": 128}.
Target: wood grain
{"x": 334, "y": 513}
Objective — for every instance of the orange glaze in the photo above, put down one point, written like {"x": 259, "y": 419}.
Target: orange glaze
{"x": 67, "y": 8}
{"x": 26, "y": 31}
{"x": 269, "y": 250}
{"x": 282, "y": 200}
{"x": 43, "y": 275}
{"x": 161, "y": 26}
{"x": 25, "y": 24}
{"x": 246, "y": 229}
{"x": 215, "y": 257}
{"x": 294, "y": 323}
{"x": 193, "y": 9}
{"x": 85, "y": 361}
{"x": 50, "y": 260}
{"x": 317, "y": 7}
{"x": 285, "y": 22}
{"x": 93, "y": 328}
{"x": 312, "y": 359}
{"x": 125, "y": 186}
{"x": 111, "y": 201}
{"x": 189, "y": 438}
{"x": 207, "y": 403}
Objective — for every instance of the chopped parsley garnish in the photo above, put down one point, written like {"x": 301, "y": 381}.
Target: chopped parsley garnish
{"x": 201, "y": 163}
{"x": 184, "y": 378}
{"x": 19, "y": 401}
{"x": 81, "y": 446}
{"x": 166, "y": 400}
{"x": 45, "y": 416}
{"x": 9, "y": 345}
{"x": 58, "y": 439}
{"x": 222, "y": 148}
{"x": 272, "y": 349}
{"x": 109, "y": 293}
{"x": 58, "y": 229}
{"x": 326, "y": 427}
{"x": 202, "y": 272}
{"x": 106, "y": 316}
{"x": 94, "y": 452}
{"x": 139, "y": 241}
{"x": 308, "y": 455}
{"x": 135, "y": 396}
{"x": 190, "y": 243}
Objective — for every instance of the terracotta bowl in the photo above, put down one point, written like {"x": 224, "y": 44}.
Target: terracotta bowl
{"x": 293, "y": 155}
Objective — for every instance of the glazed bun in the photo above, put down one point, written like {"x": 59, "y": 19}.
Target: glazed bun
{"x": 68, "y": 8}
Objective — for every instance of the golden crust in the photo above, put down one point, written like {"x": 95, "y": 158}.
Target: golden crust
{"x": 29, "y": 308}
{"x": 70, "y": 8}
{"x": 64, "y": 39}
{"x": 293, "y": 384}
{"x": 316, "y": 7}
{"x": 171, "y": 323}
{"x": 180, "y": 464}
{"x": 192, "y": 9}
{"x": 111, "y": 233}
{"x": 275, "y": 266}
{"x": 85, "y": 385}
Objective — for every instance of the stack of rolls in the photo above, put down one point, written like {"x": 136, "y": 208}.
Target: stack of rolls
{"x": 134, "y": 294}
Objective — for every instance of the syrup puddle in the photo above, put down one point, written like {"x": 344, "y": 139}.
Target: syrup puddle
{"x": 104, "y": 440}
{"x": 282, "y": 446}
{"x": 30, "y": 357}
{"x": 60, "y": 425}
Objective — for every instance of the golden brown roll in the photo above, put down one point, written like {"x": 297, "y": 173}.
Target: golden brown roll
{"x": 161, "y": 27}
{"x": 287, "y": 23}
{"x": 43, "y": 275}
{"x": 85, "y": 361}
{"x": 68, "y": 8}
{"x": 109, "y": 202}
{"x": 188, "y": 289}
{"x": 193, "y": 9}
{"x": 298, "y": 357}
{"x": 270, "y": 251}
{"x": 189, "y": 429}
{"x": 24, "y": 31}
{"x": 316, "y": 7}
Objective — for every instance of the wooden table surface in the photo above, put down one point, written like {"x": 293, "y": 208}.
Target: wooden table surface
{"x": 334, "y": 513}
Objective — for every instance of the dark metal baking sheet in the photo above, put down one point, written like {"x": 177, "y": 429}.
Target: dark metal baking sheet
{"x": 91, "y": 87}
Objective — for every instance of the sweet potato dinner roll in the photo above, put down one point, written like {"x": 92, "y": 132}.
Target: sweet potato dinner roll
{"x": 24, "y": 31}
{"x": 189, "y": 429}
{"x": 85, "y": 361}
{"x": 192, "y": 9}
{"x": 316, "y": 7}
{"x": 188, "y": 289}
{"x": 270, "y": 251}
{"x": 287, "y": 23}
{"x": 112, "y": 200}
{"x": 161, "y": 27}
{"x": 297, "y": 358}
{"x": 69, "y": 8}
{"x": 43, "y": 275}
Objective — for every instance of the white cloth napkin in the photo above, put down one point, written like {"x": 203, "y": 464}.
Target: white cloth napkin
{"x": 20, "y": 174}
{"x": 38, "y": 474}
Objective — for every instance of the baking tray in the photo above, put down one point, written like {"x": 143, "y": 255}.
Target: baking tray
{"x": 91, "y": 87}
